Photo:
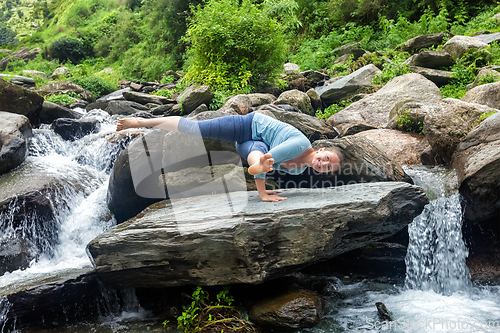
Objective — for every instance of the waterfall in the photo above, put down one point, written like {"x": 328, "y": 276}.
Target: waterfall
{"x": 436, "y": 254}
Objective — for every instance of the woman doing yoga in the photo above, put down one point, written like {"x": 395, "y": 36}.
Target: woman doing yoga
{"x": 266, "y": 144}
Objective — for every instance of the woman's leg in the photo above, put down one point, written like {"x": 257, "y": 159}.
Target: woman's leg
{"x": 257, "y": 156}
{"x": 168, "y": 123}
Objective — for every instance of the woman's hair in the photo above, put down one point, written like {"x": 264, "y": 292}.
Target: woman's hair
{"x": 336, "y": 151}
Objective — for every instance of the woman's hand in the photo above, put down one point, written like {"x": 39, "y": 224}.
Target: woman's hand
{"x": 271, "y": 196}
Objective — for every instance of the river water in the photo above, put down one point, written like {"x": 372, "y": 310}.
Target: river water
{"x": 437, "y": 294}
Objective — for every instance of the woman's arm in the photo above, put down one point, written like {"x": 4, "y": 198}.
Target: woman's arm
{"x": 266, "y": 195}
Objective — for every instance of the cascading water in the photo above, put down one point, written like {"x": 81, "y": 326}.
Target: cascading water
{"x": 81, "y": 168}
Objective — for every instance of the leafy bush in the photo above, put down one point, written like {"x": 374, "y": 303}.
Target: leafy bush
{"x": 95, "y": 84}
{"x": 219, "y": 100}
{"x": 393, "y": 69}
{"x": 233, "y": 45}
{"x": 68, "y": 48}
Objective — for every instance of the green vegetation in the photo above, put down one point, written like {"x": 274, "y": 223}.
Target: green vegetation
{"x": 215, "y": 316}
{"x": 482, "y": 117}
{"x": 163, "y": 92}
{"x": 63, "y": 98}
{"x": 333, "y": 109}
{"x": 409, "y": 123}
{"x": 236, "y": 46}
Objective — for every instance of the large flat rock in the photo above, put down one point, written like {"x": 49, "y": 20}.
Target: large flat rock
{"x": 226, "y": 239}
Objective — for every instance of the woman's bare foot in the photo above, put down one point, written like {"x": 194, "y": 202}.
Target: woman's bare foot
{"x": 264, "y": 165}
{"x": 127, "y": 123}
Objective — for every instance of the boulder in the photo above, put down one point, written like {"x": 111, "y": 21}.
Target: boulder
{"x": 23, "y": 54}
{"x": 16, "y": 99}
{"x": 439, "y": 77}
{"x": 118, "y": 94}
{"x": 52, "y": 111}
{"x": 23, "y": 81}
{"x": 204, "y": 243}
{"x": 15, "y": 133}
{"x": 144, "y": 99}
{"x": 404, "y": 148}
{"x": 72, "y": 129}
{"x": 163, "y": 110}
{"x": 349, "y": 85}
{"x": 424, "y": 41}
{"x": 374, "y": 110}
{"x": 124, "y": 107}
{"x": 312, "y": 127}
{"x": 64, "y": 87}
{"x": 290, "y": 310}
{"x": 315, "y": 99}
{"x": 298, "y": 99}
{"x": 242, "y": 104}
{"x": 194, "y": 96}
{"x": 485, "y": 71}
{"x": 485, "y": 94}
{"x": 457, "y": 46}
{"x": 315, "y": 76}
{"x": 450, "y": 123}
{"x": 59, "y": 72}
{"x": 127, "y": 197}
{"x": 431, "y": 59}
{"x": 351, "y": 48}
{"x": 477, "y": 161}
{"x": 35, "y": 74}
{"x": 290, "y": 68}
{"x": 489, "y": 38}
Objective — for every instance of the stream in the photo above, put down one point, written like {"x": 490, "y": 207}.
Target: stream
{"x": 437, "y": 294}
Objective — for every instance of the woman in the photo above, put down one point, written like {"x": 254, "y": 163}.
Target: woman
{"x": 265, "y": 143}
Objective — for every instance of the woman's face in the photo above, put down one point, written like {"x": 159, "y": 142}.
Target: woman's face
{"x": 325, "y": 161}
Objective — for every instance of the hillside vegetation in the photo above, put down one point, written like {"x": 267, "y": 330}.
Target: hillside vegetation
{"x": 234, "y": 46}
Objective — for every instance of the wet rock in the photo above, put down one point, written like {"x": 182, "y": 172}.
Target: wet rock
{"x": 457, "y": 46}
{"x": 72, "y": 129}
{"x": 194, "y": 96}
{"x": 124, "y": 107}
{"x": 348, "y": 86}
{"x": 440, "y": 78}
{"x": 16, "y": 253}
{"x": 431, "y": 59}
{"x": 424, "y": 41}
{"x": 64, "y": 87}
{"x": 383, "y": 313}
{"x": 15, "y": 133}
{"x": 449, "y": 124}
{"x": 405, "y": 148}
{"x": 292, "y": 310}
{"x": 297, "y": 99}
{"x": 374, "y": 111}
{"x": 485, "y": 94}
{"x": 23, "y": 54}
{"x": 118, "y": 94}
{"x": 206, "y": 243}
{"x": 144, "y": 99}
{"x": 52, "y": 111}
{"x": 16, "y": 99}
{"x": 477, "y": 160}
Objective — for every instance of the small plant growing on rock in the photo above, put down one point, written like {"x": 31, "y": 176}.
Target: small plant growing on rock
{"x": 333, "y": 109}
{"x": 482, "y": 117}
{"x": 216, "y": 316}
{"x": 406, "y": 123}
{"x": 63, "y": 98}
